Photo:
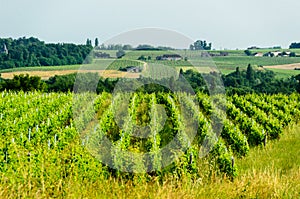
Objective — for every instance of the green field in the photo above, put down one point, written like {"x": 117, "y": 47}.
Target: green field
{"x": 98, "y": 64}
{"x": 282, "y": 73}
{"x": 242, "y": 62}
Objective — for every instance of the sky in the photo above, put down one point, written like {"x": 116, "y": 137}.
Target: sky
{"x": 228, "y": 24}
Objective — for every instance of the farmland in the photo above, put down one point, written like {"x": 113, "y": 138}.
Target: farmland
{"x": 149, "y": 144}
{"x": 226, "y": 64}
{"x": 48, "y": 146}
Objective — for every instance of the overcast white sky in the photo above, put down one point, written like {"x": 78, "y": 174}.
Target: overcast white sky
{"x": 226, "y": 23}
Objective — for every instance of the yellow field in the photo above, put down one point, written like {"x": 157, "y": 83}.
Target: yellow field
{"x": 47, "y": 74}
{"x": 285, "y": 66}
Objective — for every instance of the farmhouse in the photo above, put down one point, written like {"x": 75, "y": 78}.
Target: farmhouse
{"x": 170, "y": 57}
{"x": 133, "y": 69}
{"x": 258, "y": 54}
{"x": 101, "y": 55}
{"x": 221, "y": 54}
{"x": 224, "y": 53}
{"x": 277, "y": 54}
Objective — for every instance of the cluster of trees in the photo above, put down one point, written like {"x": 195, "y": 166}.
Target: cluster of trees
{"x": 128, "y": 47}
{"x": 294, "y": 45}
{"x": 23, "y": 82}
{"x": 152, "y": 48}
{"x": 144, "y": 58}
{"x": 256, "y": 81}
{"x": 201, "y": 45}
{"x": 89, "y": 42}
{"x": 113, "y": 46}
{"x": 24, "y": 52}
{"x": 62, "y": 83}
{"x": 242, "y": 82}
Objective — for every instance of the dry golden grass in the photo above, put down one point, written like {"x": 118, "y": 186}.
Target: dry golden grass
{"x": 47, "y": 74}
{"x": 285, "y": 66}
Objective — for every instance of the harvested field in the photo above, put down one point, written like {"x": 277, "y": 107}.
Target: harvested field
{"x": 47, "y": 74}
{"x": 285, "y": 66}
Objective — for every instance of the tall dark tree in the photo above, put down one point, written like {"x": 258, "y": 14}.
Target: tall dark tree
{"x": 96, "y": 42}
{"x": 238, "y": 72}
{"x": 181, "y": 71}
{"x": 250, "y": 73}
{"x": 89, "y": 42}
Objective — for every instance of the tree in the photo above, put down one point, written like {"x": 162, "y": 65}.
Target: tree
{"x": 192, "y": 47}
{"x": 142, "y": 58}
{"x": 248, "y": 52}
{"x": 181, "y": 71}
{"x": 295, "y": 45}
{"x": 120, "y": 54}
{"x": 96, "y": 42}
{"x": 200, "y": 45}
{"x": 127, "y": 47}
{"x": 297, "y": 77}
{"x": 24, "y": 83}
{"x": 89, "y": 42}
{"x": 237, "y": 72}
{"x": 250, "y": 73}
{"x": 144, "y": 47}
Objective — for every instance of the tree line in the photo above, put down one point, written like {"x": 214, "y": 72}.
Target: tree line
{"x": 31, "y": 51}
{"x": 257, "y": 81}
{"x": 58, "y": 83}
{"x": 294, "y": 45}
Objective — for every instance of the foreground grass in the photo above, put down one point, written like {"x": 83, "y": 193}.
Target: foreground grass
{"x": 267, "y": 172}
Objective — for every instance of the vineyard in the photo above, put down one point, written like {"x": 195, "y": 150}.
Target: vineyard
{"x": 50, "y": 138}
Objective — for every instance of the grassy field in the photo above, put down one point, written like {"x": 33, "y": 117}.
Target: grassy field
{"x": 282, "y": 73}
{"x": 232, "y": 62}
{"x": 98, "y": 64}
